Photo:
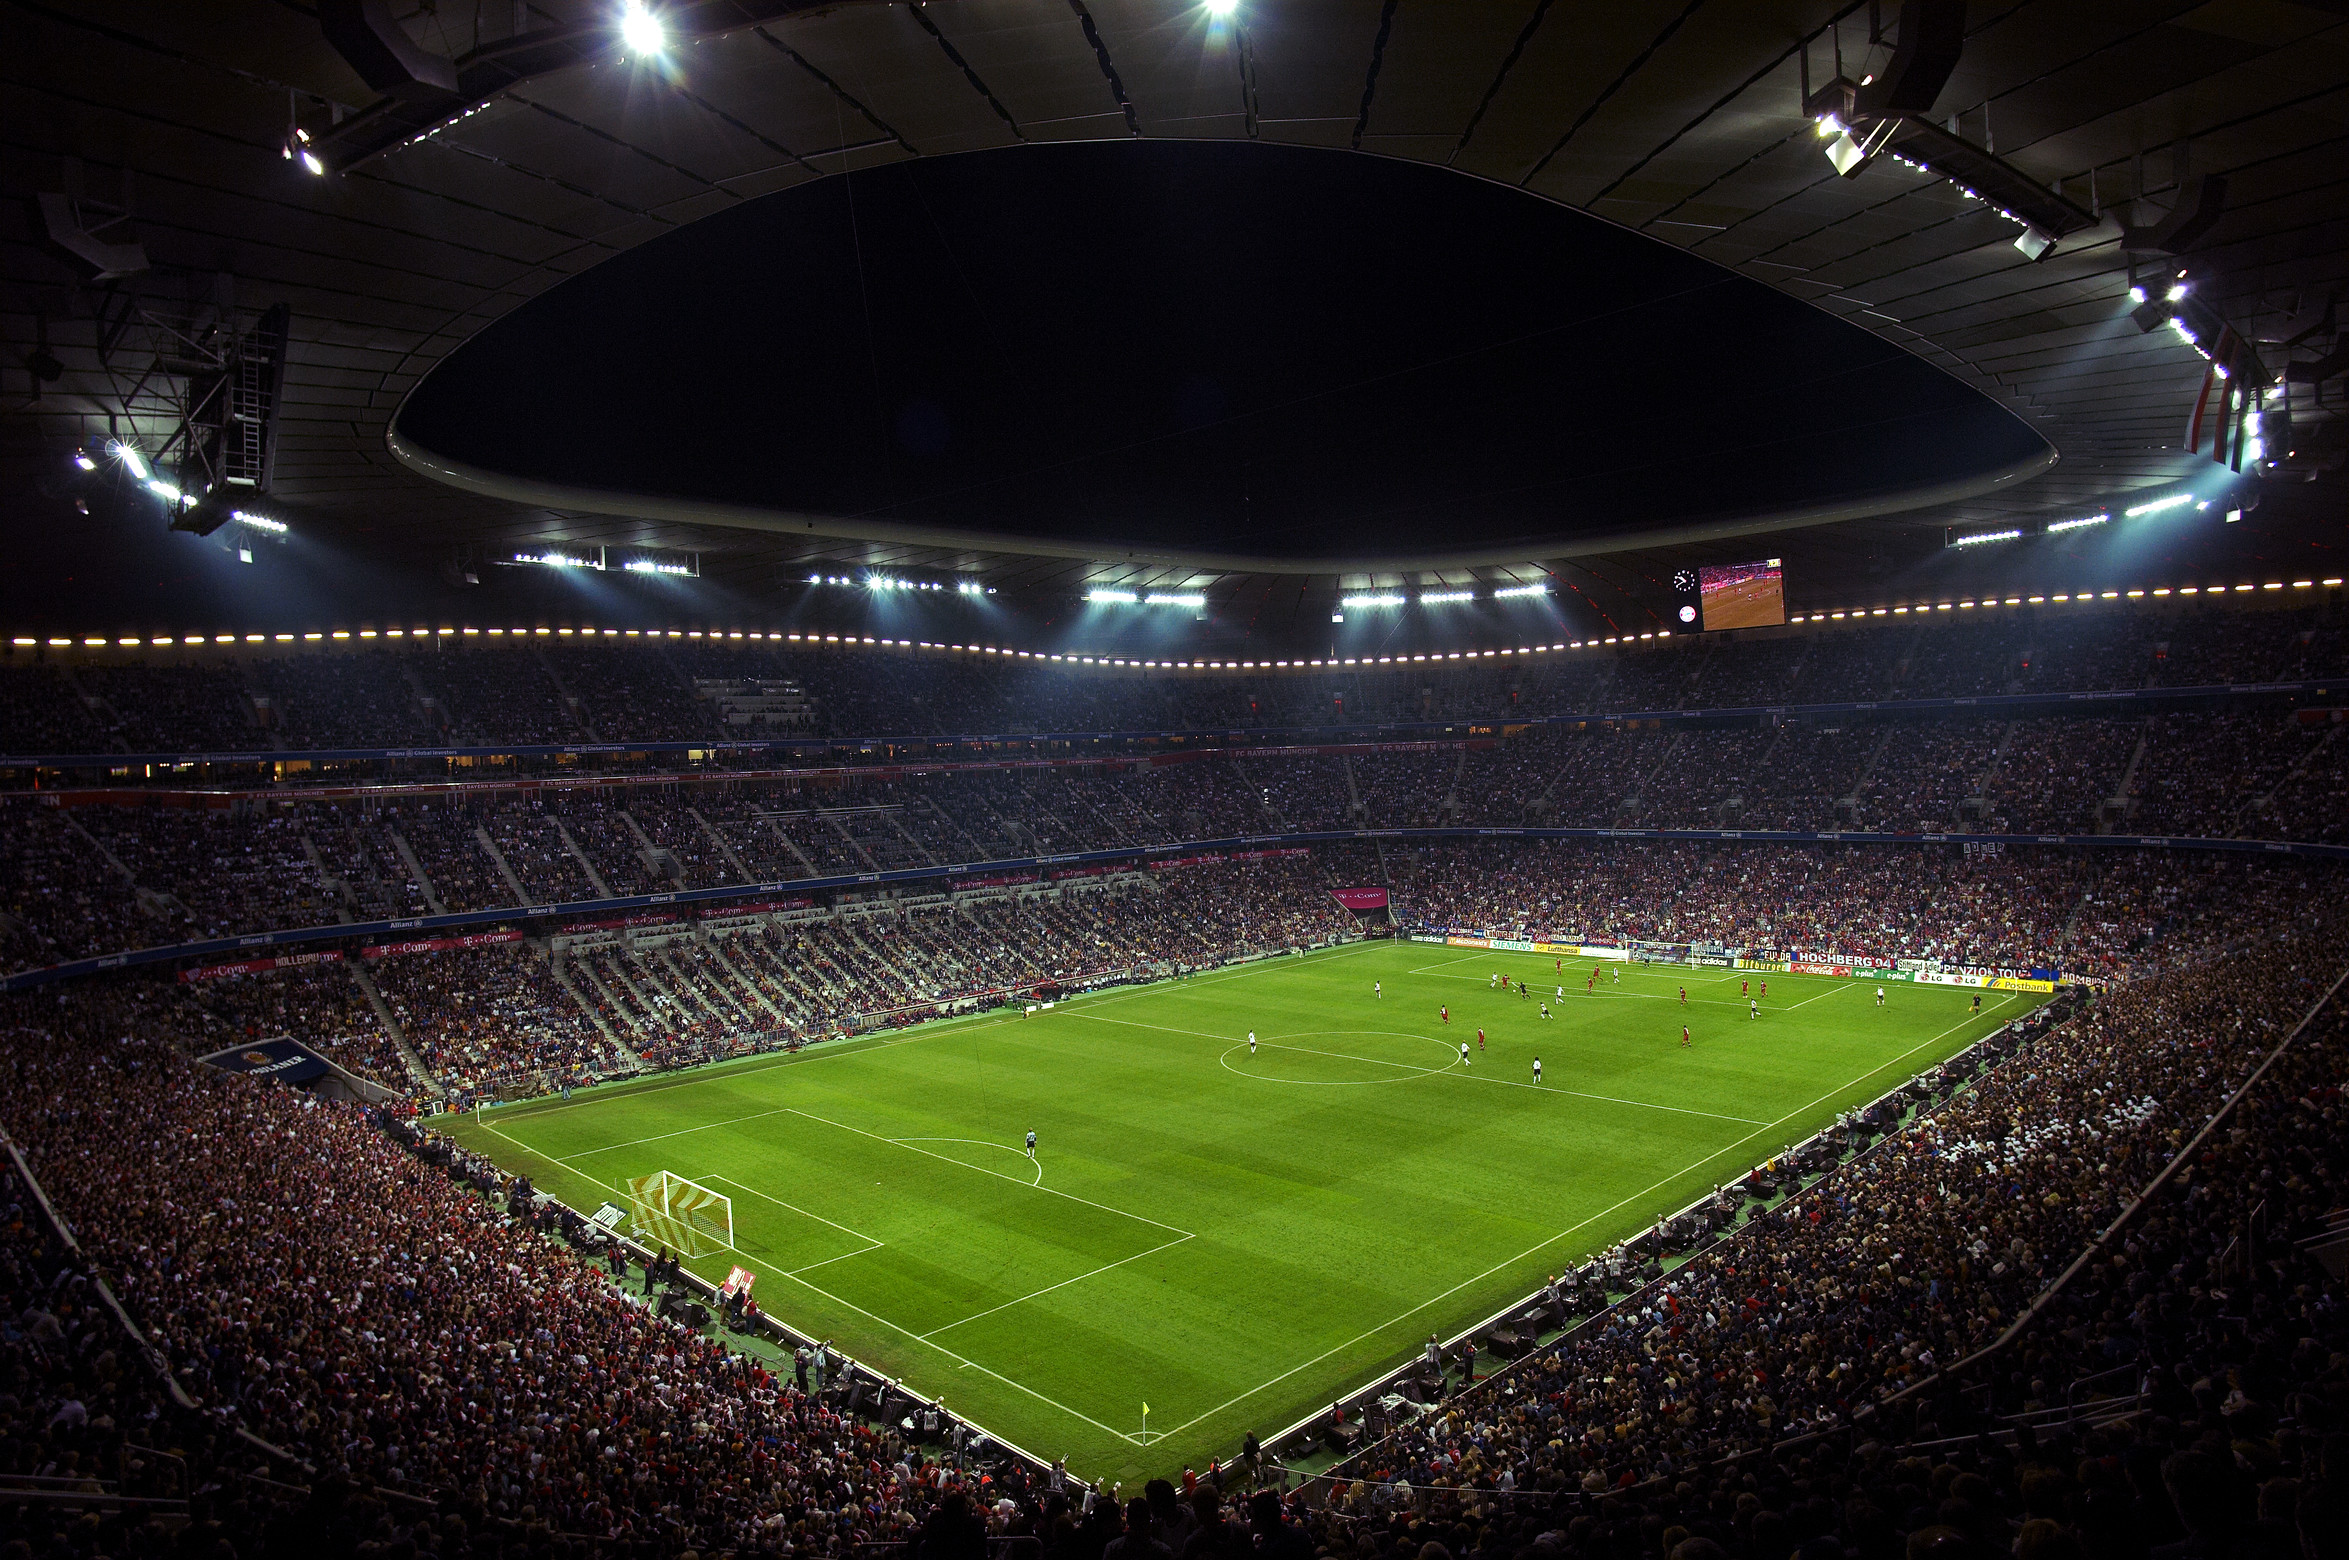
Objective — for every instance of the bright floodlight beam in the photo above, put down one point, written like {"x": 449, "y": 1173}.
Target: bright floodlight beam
{"x": 641, "y": 30}
{"x": 1219, "y": 9}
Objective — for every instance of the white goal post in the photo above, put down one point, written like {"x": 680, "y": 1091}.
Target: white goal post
{"x": 691, "y": 1220}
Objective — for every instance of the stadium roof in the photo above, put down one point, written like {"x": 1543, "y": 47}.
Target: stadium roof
{"x": 442, "y": 211}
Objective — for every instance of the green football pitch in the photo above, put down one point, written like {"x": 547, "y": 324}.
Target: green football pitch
{"x": 1230, "y": 1236}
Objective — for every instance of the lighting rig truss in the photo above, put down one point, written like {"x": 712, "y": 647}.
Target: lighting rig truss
{"x": 196, "y": 386}
{"x": 1890, "y": 113}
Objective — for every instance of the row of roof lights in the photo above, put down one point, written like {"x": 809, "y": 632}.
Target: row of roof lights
{"x": 1438, "y": 598}
{"x": 2152, "y": 506}
{"x": 889, "y": 582}
{"x": 1105, "y": 596}
{"x": 94, "y": 642}
{"x": 2035, "y": 601}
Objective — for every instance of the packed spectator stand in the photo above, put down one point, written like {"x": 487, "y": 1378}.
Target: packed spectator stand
{"x": 578, "y": 686}
{"x": 1827, "y": 1301}
{"x": 450, "y": 1370}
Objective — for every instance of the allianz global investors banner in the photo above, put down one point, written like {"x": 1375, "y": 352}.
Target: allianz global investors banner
{"x": 1360, "y": 898}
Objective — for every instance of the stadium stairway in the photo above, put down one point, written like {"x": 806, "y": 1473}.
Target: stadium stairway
{"x": 658, "y": 860}
{"x": 2113, "y": 813}
{"x": 1977, "y": 801}
{"x": 620, "y": 1048}
{"x": 724, "y": 845}
{"x": 2265, "y": 806}
{"x": 586, "y": 862}
{"x": 407, "y": 855}
{"x": 615, "y": 964}
{"x": 151, "y": 901}
{"x": 391, "y": 1026}
{"x": 582, "y": 962}
{"x": 1849, "y": 803}
{"x": 107, "y": 714}
{"x": 1628, "y": 807}
{"x": 856, "y": 847}
{"x": 722, "y": 951}
{"x": 522, "y": 896}
{"x": 429, "y": 707}
{"x": 571, "y": 701}
{"x": 332, "y": 884}
{"x": 778, "y": 831}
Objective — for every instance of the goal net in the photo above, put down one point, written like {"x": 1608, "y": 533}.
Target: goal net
{"x": 691, "y": 1220}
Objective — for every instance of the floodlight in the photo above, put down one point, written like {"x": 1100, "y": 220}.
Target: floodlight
{"x": 2177, "y": 291}
{"x": 1515, "y": 591}
{"x": 641, "y": 30}
{"x": 1219, "y": 9}
{"x": 1979, "y": 537}
{"x": 2136, "y": 293}
{"x": 1116, "y": 597}
{"x": 2074, "y": 525}
{"x": 129, "y": 455}
{"x": 310, "y": 161}
{"x": 259, "y": 522}
{"x": 1160, "y": 598}
{"x": 164, "y": 490}
{"x": 1371, "y": 601}
{"x": 82, "y": 459}
{"x": 2156, "y": 506}
{"x": 1437, "y": 598}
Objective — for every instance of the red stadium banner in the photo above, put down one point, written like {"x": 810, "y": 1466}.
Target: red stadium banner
{"x": 439, "y": 944}
{"x": 649, "y": 918}
{"x": 284, "y": 961}
{"x": 1360, "y": 898}
{"x": 1211, "y": 858}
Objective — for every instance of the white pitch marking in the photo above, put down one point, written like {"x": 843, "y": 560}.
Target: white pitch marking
{"x": 1562, "y": 1234}
{"x": 1048, "y": 1288}
{"x": 1052, "y": 1191}
{"x": 1038, "y": 1164}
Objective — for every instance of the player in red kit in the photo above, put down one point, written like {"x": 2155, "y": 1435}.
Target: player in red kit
{"x": 1446, "y": 1014}
{"x": 1480, "y": 1037}
{"x": 1684, "y": 1034}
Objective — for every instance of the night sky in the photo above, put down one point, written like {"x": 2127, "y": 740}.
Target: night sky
{"x": 1267, "y": 352}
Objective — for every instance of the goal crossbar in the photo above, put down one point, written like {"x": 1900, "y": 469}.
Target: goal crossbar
{"x": 668, "y": 1210}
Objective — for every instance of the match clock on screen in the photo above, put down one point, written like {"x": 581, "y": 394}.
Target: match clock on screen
{"x": 1688, "y": 599}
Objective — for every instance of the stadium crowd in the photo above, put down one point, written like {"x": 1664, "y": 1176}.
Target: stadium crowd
{"x": 464, "y": 1381}
{"x": 1783, "y": 1392}
{"x": 446, "y": 1371}
{"x": 316, "y": 1283}
{"x": 584, "y": 686}
{"x": 90, "y": 879}
{"x": 597, "y": 1000}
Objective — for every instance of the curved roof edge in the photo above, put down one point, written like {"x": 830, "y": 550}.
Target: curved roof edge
{"x": 645, "y": 506}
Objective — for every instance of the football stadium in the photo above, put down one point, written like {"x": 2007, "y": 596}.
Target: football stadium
{"x": 1110, "y": 780}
